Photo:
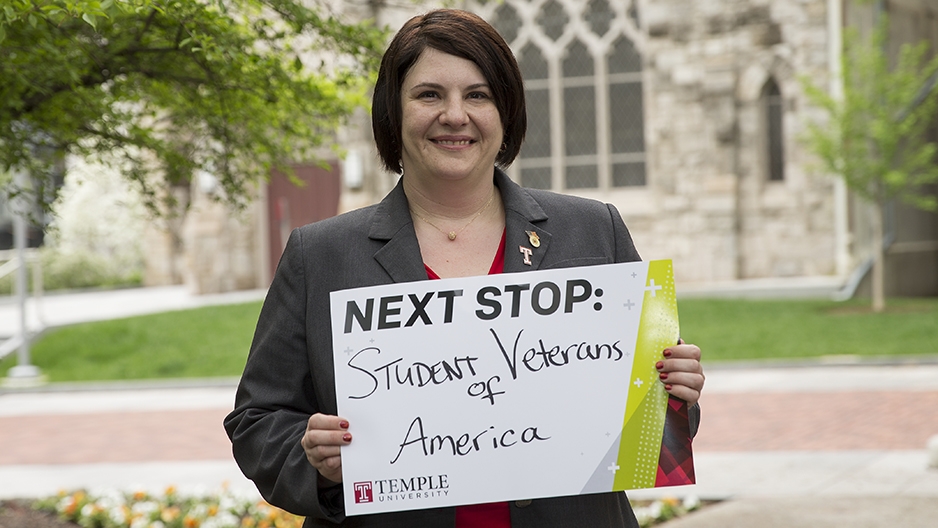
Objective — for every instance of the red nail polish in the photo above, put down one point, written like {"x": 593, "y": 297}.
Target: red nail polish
{"x": 667, "y": 352}
{"x": 347, "y": 437}
{"x": 343, "y": 424}
{"x": 663, "y": 375}
{"x": 659, "y": 365}
{"x": 667, "y": 388}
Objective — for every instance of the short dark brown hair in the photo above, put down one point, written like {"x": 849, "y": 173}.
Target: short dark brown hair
{"x": 464, "y": 35}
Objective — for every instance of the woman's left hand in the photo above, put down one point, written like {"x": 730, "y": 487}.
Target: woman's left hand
{"x": 681, "y": 372}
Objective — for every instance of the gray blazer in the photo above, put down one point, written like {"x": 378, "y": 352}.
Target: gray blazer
{"x": 289, "y": 371}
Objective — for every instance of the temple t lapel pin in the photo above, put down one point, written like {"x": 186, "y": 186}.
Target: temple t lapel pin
{"x": 533, "y": 238}
{"x": 527, "y": 254}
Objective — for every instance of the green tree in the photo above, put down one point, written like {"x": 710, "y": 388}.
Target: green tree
{"x": 876, "y": 134}
{"x": 161, "y": 89}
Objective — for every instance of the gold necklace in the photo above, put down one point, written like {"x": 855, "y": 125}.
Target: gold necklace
{"x": 453, "y": 234}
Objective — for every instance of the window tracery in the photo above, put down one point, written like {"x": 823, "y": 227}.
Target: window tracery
{"x": 583, "y": 74}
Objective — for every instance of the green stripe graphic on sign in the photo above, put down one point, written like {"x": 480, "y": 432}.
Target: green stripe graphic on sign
{"x": 643, "y": 424}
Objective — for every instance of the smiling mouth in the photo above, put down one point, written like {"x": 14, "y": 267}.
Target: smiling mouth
{"x": 452, "y": 143}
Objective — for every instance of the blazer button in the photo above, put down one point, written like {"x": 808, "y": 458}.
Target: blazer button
{"x": 523, "y": 503}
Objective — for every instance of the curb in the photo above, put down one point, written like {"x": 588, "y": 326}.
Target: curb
{"x": 124, "y": 385}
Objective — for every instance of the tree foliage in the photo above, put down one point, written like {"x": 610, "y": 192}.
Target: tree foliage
{"x": 876, "y": 137}
{"x": 163, "y": 89}
{"x": 877, "y": 134}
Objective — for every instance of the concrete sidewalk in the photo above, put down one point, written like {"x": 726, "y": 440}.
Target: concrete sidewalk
{"x": 149, "y": 436}
{"x": 886, "y": 484}
{"x": 59, "y": 309}
{"x": 815, "y": 512}
{"x": 735, "y": 458}
{"x": 818, "y": 445}
{"x": 118, "y": 437}
{"x": 95, "y": 410}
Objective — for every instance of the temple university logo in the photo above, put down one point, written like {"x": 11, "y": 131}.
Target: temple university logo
{"x": 363, "y": 492}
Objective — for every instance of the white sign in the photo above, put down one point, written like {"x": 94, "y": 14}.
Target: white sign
{"x": 502, "y": 387}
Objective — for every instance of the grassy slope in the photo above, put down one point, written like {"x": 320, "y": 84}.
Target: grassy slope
{"x": 204, "y": 342}
{"x": 214, "y": 341}
{"x": 759, "y": 330}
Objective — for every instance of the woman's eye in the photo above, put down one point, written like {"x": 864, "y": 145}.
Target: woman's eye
{"x": 427, "y": 95}
{"x": 478, "y": 95}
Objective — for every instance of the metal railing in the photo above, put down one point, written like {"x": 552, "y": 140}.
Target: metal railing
{"x": 10, "y": 263}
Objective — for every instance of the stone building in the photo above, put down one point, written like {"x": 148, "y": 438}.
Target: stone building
{"x": 685, "y": 114}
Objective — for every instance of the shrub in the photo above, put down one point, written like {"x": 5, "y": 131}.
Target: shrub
{"x": 78, "y": 270}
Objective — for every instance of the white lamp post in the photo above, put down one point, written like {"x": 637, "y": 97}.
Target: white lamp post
{"x": 24, "y": 373}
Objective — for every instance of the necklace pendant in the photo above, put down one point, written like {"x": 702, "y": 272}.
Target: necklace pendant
{"x": 451, "y": 235}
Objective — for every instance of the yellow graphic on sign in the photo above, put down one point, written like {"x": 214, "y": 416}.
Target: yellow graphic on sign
{"x": 646, "y": 408}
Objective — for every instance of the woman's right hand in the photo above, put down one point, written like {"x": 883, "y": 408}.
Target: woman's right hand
{"x": 324, "y": 434}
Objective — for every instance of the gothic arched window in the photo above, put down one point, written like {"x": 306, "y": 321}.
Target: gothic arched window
{"x": 627, "y": 122}
{"x": 774, "y": 131}
{"x": 579, "y": 118}
{"x": 583, "y": 86}
{"x": 535, "y": 157}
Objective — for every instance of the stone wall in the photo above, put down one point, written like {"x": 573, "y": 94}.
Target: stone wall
{"x": 709, "y": 204}
{"x": 210, "y": 247}
{"x": 164, "y": 247}
{"x": 221, "y": 249}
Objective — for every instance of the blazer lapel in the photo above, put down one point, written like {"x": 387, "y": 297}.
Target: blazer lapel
{"x": 526, "y": 242}
{"x": 400, "y": 256}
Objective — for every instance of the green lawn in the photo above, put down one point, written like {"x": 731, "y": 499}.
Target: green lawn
{"x": 214, "y": 341}
{"x": 788, "y": 330}
{"x": 204, "y": 342}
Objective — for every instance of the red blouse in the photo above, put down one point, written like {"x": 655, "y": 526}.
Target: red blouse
{"x": 493, "y": 514}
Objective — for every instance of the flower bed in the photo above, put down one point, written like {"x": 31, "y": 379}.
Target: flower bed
{"x": 113, "y": 509}
{"x": 650, "y": 513}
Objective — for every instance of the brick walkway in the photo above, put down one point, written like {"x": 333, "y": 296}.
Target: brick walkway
{"x": 155, "y": 436}
{"x": 891, "y": 420}
{"x": 837, "y": 421}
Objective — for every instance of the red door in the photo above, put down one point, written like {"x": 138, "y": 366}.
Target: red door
{"x": 290, "y": 205}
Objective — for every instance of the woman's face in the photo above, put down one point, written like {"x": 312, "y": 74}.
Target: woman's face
{"x": 451, "y": 128}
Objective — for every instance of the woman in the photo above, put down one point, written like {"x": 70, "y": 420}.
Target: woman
{"x": 448, "y": 110}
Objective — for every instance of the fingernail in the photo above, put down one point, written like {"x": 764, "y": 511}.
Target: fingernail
{"x": 667, "y": 387}
{"x": 663, "y": 375}
{"x": 343, "y": 424}
{"x": 667, "y": 352}
{"x": 659, "y": 365}
{"x": 347, "y": 437}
